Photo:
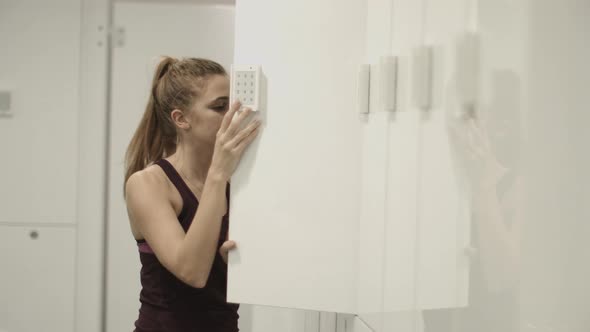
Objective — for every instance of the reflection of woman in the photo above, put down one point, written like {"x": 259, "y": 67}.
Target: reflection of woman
{"x": 495, "y": 231}
{"x": 178, "y": 166}
{"x": 495, "y": 190}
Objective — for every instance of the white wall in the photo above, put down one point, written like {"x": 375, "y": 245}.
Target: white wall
{"x": 555, "y": 291}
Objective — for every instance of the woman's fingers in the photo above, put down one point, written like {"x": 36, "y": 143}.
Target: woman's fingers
{"x": 235, "y": 123}
{"x": 225, "y": 248}
{"x": 244, "y": 133}
{"x": 228, "y": 245}
{"x": 476, "y": 130}
{"x": 247, "y": 140}
{"x": 473, "y": 142}
{"x": 227, "y": 118}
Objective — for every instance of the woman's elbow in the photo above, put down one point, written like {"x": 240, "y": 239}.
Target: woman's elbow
{"x": 193, "y": 279}
{"x": 197, "y": 283}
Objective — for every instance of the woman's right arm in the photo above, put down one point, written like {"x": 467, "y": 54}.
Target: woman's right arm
{"x": 189, "y": 256}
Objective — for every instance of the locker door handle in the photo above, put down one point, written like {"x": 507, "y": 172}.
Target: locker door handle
{"x": 363, "y": 88}
{"x": 422, "y": 72}
{"x": 388, "y": 81}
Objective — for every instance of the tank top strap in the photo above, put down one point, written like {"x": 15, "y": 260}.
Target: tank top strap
{"x": 188, "y": 197}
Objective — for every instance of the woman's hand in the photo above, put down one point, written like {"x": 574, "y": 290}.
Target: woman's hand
{"x": 225, "y": 248}
{"x": 231, "y": 141}
{"x": 473, "y": 150}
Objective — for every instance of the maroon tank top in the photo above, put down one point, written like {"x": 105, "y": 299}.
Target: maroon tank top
{"x": 168, "y": 304}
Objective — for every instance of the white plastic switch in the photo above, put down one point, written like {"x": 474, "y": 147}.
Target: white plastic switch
{"x": 246, "y": 85}
{"x": 422, "y": 71}
{"x": 363, "y": 88}
{"x": 387, "y": 81}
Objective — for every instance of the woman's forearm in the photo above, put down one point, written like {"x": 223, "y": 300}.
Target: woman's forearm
{"x": 498, "y": 248}
{"x": 197, "y": 252}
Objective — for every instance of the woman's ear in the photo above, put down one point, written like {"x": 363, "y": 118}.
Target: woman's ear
{"x": 180, "y": 119}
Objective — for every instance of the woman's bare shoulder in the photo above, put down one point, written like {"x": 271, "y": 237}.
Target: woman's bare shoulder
{"x": 150, "y": 179}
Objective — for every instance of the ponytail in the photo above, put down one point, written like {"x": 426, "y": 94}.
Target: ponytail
{"x": 149, "y": 143}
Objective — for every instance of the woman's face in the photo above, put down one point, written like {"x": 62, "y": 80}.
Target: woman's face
{"x": 207, "y": 113}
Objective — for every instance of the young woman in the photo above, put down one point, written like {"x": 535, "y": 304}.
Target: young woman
{"x": 178, "y": 165}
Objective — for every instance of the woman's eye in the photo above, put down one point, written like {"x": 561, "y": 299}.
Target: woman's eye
{"x": 219, "y": 108}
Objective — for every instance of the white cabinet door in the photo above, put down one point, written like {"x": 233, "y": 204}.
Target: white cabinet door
{"x": 39, "y": 66}
{"x": 400, "y": 254}
{"x": 443, "y": 205}
{"x": 37, "y": 279}
{"x": 295, "y": 201}
{"x": 389, "y": 176}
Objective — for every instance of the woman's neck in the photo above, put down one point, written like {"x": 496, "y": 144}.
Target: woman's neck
{"x": 193, "y": 162}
